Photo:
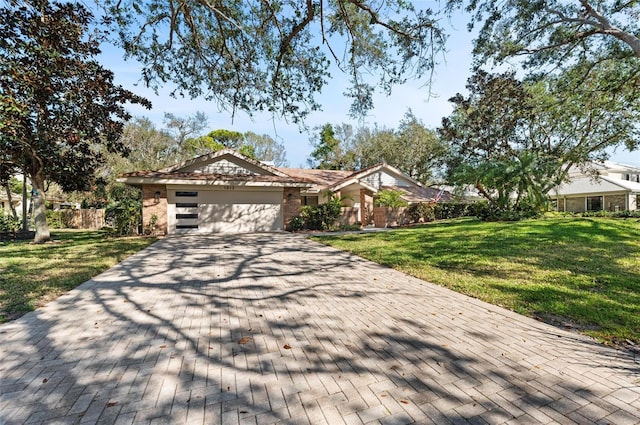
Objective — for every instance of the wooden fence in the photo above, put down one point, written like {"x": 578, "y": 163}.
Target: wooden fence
{"x": 84, "y": 218}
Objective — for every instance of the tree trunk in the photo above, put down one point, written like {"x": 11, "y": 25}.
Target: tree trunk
{"x": 25, "y": 221}
{"x": 39, "y": 210}
{"x": 10, "y": 199}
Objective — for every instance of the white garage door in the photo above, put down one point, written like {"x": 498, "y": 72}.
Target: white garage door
{"x": 227, "y": 210}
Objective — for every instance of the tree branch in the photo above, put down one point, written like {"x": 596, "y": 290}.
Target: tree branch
{"x": 286, "y": 43}
{"x": 377, "y": 21}
{"x": 608, "y": 28}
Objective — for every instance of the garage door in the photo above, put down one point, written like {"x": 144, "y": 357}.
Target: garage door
{"x": 227, "y": 210}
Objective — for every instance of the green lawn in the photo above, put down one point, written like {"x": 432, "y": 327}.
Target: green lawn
{"x": 31, "y": 275}
{"x": 573, "y": 272}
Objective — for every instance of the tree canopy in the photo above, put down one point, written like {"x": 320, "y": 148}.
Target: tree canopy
{"x": 59, "y": 108}
{"x": 556, "y": 36}
{"x": 331, "y": 151}
{"x": 274, "y": 55}
{"x": 412, "y": 148}
{"x": 555, "y": 32}
{"x": 260, "y": 147}
{"x": 514, "y": 141}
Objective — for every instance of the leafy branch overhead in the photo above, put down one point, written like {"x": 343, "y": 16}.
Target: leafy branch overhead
{"x": 553, "y": 32}
{"x": 274, "y": 55}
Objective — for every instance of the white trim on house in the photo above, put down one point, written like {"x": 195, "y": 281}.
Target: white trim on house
{"x": 360, "y": 176}
{"x": 352, "y": 181}
{"x": 209, "y": 182}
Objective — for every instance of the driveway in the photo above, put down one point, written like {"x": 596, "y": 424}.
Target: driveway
{"x": 274, "y": 328}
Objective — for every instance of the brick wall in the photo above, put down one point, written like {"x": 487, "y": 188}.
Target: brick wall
{"x": 366, "y": 207}
{"x": 291, "y": 203}
{"x": 150, "y": 206}
{"x": 390, "y": 217}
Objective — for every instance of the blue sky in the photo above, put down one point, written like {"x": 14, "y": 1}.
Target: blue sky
{"x": 449, "y": 78}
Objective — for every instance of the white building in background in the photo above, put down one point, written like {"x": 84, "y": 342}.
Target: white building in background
{"x": 616, "y": 187}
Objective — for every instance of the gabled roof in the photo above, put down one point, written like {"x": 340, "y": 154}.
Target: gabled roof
{"x": 618, "y": 166}
{"x": 419, "y": 193}
{"x": 359, "y": 175}
{"x": 228, "y": 167}
{"x": 194, "y": 171}
{"x": 337, "y": 179}
{"x": 322, "y": 178}
{"x": 603, "y": 184}
{"x": 216, "y": 156}
{"x": 601, "y": 168}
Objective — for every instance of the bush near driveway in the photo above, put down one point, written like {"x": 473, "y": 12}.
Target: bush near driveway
{"x": 581, "y": 273}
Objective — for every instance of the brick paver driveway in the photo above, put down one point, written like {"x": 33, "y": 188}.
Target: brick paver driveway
{"x": 273, "y": 328}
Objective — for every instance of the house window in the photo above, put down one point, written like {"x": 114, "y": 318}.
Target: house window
{"x": 594, "y": 203}
{"x": 309, "y": 200}
{"x": 186, "y": 205}
{"x": 186, "y": 226}
{"x": 186, "y": 194}
{"x": 179, "y": 216}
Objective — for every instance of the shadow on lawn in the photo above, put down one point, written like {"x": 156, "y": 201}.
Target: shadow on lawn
{"x": 31, "y": 274}
{"x": 585, "y": 270}
{"x": 223, "y": 328}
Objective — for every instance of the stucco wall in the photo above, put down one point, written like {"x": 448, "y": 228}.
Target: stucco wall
{"x": 348, "y": 216}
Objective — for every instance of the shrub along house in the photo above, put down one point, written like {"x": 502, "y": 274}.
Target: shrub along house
{"x": 227, "y": 192}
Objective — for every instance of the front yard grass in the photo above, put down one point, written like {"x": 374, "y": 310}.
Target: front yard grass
{"x": 32, "y": 275}
{"x": 581, "y": 273}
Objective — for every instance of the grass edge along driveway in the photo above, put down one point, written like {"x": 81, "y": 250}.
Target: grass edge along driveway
{"x": 32, "y": 275}
{"x": 579, "y": 273}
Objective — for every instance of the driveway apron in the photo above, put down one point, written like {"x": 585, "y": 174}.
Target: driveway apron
{"x": 274, "y": 328}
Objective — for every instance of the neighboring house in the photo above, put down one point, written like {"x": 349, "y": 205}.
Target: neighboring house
{"x": 615, "y": 188}
{"x": 16, "y": 200}
{"x": 228, "y": 192}
{"x": 59, "y": 203}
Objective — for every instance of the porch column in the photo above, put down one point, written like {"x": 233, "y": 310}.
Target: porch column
{"x": 366, "y": 206}
{"x": 291, "y": 205}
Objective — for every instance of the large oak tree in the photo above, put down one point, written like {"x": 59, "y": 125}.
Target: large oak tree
{"x": 60, "y": 110}
{"x": 274, "y": 55}
{"x": 514, "y": 141}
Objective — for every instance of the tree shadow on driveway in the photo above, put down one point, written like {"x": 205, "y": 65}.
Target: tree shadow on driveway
{"x": 273, "y": 328}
